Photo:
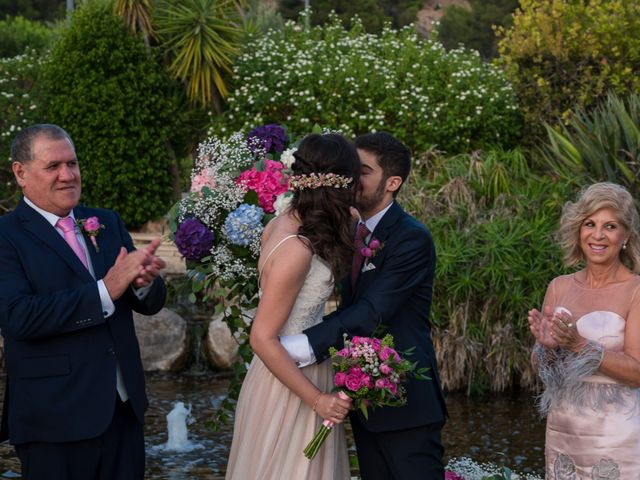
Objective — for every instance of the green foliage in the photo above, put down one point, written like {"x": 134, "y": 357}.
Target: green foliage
{"x": 17, "y": 34}
{"x": 358, "y": 82}
{"x": 561, "y": 55}
{"x": 474, "y": 27}
{"x": 42, "y": 10}
{"x": 373, "y": 13}
{"x": 108, "y": 91}
{"x": 492, "y": 219}
{"x": 201, "y": 38}
{"x": 602, "y": 144}
{"x": 20, "y": 107}
{"x": 136, "y": 15}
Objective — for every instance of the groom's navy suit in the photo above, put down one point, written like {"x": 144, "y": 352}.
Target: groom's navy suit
{"x": 393, "y": 292}
{"x": 60, "y": 350}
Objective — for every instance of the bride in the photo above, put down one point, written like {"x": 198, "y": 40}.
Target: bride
{"x": 280, "y": 405}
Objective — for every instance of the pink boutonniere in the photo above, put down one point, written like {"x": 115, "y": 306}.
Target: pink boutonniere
{"x": 370, "y": 249}
{"x": 91, "y": 227}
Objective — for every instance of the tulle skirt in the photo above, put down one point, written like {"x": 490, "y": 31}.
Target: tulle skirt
{"x": 273, "y": 426}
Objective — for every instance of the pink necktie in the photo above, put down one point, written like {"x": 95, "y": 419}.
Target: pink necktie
{"x": 68, "y": 227}
{"x": 361, "y": 233}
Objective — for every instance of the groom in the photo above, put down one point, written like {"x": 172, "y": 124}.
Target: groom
{"x": 390, "y": 290}
{"x": 74, "y": 401}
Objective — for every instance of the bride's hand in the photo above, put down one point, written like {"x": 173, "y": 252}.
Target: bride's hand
{"x": 333, "y": 408}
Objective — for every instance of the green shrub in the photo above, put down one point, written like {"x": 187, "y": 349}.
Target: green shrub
{"x": 602, "y": 144}
{"x": 17, "y": 34}
{"x": 474, "y": 27}
{"x": 561, "y": 55}
{"x": 20, "y": 107}
{"x": 492, "y": 220}
{"x": 109, "y": 92}
{"x": 374, "y": 13}
{"x": 358, "y": 82}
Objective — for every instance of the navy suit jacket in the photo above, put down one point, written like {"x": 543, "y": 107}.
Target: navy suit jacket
{"x": 60, "y": 350}
{"x": 396, "y": 295}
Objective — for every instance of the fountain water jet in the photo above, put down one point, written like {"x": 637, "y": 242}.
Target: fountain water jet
{"x": 178, "y": 434}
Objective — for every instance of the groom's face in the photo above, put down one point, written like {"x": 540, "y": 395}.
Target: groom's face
{"x": 372, "y": 195}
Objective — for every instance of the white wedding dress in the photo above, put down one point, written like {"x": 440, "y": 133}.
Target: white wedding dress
{"x": 272, "y": 424}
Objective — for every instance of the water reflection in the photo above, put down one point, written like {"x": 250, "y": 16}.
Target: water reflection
{"x": 501, "y": 429}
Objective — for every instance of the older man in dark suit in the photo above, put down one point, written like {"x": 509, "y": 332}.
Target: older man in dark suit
{"x": 391, "y": 290}
{"x": 69, "y": 281}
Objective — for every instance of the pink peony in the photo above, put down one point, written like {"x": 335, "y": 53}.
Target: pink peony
{"x": 91, "y": 224}
{"x": 355, "y": 371}
{"x": 375, "y": 343}
{"x": 386, "y": 369}
{"x": 380, "y": 383}
{"x": 343, "y": 353}
{"x": 387, "y": 352}
{"x": 359, "y": 340}
{"x": 339, "y": 379}
{"x": 366, "y": 381}
{"x": 353, "y": 382}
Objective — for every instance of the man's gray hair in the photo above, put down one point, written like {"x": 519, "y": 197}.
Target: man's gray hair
{"x": 22, "y": 145}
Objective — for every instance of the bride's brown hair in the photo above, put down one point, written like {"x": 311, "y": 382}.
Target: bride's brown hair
{"x": 324, "y": 211}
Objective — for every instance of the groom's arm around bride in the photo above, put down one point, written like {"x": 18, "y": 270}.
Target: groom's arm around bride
{"x": 391, "y": 289}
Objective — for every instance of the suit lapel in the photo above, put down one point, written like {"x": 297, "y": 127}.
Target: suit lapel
{"x": 47, "y": 234}
{"x": 97, "y": 258}
{"x": 381, "y": 232}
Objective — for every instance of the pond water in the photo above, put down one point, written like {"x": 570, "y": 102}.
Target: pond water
{"x": 502, "y": 429}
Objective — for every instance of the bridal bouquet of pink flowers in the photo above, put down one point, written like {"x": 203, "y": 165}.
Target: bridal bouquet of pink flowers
{"x": 372, "y": 373}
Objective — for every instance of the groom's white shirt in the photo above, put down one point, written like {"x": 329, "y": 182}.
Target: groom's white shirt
{"x": 298, "y": 346}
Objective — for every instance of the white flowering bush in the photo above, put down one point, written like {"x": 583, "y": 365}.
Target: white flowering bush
{"x": 358, "y": 82}
{"x": 19, "y": 109}
{"x": 466, "y": 469}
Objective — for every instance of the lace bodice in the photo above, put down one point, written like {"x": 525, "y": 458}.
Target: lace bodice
{"x": 308, "y": 308}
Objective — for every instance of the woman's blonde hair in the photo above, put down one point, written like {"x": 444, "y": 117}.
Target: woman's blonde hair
{"x": 591, "y": 199}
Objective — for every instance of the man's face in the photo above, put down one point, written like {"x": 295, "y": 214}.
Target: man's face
{"x": 51, "y": 180}
{"x": 372, "y": 195}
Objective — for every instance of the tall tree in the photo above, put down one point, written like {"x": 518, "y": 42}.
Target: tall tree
{"x": 136, "y": 15}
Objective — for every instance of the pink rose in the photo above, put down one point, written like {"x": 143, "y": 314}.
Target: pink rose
{"x": 359, "y": 340}
{"x": 386, "y": 369}
{"x": 355, "y": 371}
{"x": 343, "y": 353}
{"x": 375, "y": 343}
{"x": 91, "y": 224}
{"x": 203, "y": 179}
{"x": 449, "y": 475}
{"x": 374, "y": 243}
{"x": 380, "y": 383}
{"x": 339, "y": 379}
{"x": 366, "y": 252}
{"x": 353, "y": 383}
{"x": 393, "y": 388}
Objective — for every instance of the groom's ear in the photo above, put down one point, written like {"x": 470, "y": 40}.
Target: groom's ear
{"x": 394, "y": 183}
{"x": 18, "y": 171}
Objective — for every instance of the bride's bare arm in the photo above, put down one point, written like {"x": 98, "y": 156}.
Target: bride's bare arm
{"x": 282, "y": 279}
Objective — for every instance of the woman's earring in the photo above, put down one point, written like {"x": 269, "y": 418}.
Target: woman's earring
{"x": 624, "y": 246}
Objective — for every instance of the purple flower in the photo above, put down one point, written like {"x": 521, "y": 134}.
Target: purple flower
{"x": 273, "y": 137}
{"x": 193, "y": 239}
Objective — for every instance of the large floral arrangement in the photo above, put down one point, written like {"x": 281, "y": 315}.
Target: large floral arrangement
{"x": 235, "y": 184}
{"x": 238, "y": 185}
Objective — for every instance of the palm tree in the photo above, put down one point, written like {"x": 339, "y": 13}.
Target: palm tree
{"x": 201, "y": 37}
{"x": 136, "y": 15}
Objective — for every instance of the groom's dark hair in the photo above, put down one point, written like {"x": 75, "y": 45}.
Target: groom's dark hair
{"x": 22, "y": 145}
{"x": 393, "y": 156}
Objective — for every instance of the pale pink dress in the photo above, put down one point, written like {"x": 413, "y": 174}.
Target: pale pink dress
{"x": 593, "y": 422}
{"x": 272, "y": 424}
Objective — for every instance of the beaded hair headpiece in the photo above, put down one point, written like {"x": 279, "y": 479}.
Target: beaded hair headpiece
{"x": 314, "y": 180}
{"x": 317, "y": 180}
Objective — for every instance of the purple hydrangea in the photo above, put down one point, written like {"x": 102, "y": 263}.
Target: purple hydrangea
{"x": 272, "y": 136}
{"x": 193, "y": 239}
